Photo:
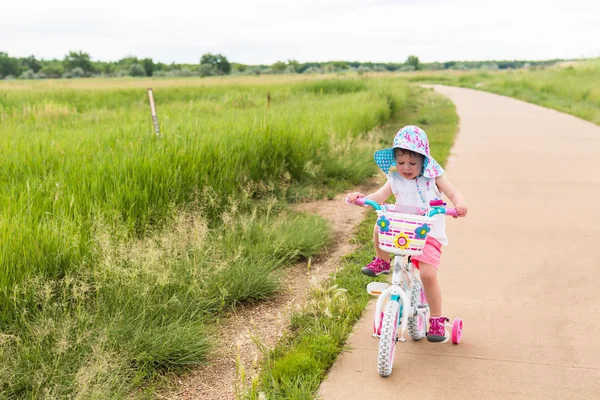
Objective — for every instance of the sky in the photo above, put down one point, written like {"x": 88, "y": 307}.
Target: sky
{"x": 266, "y": 31}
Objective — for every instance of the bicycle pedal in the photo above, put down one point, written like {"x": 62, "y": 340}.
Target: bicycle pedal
{"x": 376, "y": 288}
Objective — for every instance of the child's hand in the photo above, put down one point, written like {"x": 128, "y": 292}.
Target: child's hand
{"x": 461, "y": 209}
{"x": 351, "y": 197}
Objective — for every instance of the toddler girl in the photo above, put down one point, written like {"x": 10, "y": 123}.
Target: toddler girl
{"x": 415, "y": 178}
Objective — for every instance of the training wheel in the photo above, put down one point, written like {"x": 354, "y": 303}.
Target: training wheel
{"x": 377, "y": 330}
{"x": 457, "y": 327}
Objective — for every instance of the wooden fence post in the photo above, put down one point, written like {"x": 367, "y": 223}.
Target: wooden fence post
{"x": 153, "y": 111}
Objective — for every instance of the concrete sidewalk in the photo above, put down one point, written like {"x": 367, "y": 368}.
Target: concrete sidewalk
{"x": 522, "y": 271}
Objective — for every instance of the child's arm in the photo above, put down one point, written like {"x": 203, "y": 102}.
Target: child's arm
{"x": 452, "y": 193}
{"x": 379, "y": 196}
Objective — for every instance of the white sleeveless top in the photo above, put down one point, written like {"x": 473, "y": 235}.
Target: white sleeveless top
{"x": 409, "y": 201}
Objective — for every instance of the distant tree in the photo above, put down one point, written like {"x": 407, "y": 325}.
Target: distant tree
{"x": 108, "y": 68}
{"x": 31, "y": 63}
{"x": 78, "y": 59}
{"x": 449, "y": 64}
{"x": 128, "y": 61}
{"x": 413, "y": 61}
{"x": 304, "y": 66}
{"x": 219, "y": 61}
{"x": 294, "y": 64}
{"x": 137, "y": 70}
{"x": 159, "y": 67}
{"x": 206, "y": 70}
{"x": 148, "y": 66}
{"x": 9, "y": 66}
{"x": 279, "y": 67}
{"x": 508, "y": 64}
{"x": 393, "y": 66}
{"x": 53, "y": 69}
{"x": 368, "y": 65}
{"x": 235, "y": 67}
{"x": 338, "y": 65}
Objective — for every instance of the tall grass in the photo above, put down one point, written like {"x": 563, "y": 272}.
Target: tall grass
{"x": 142, "y": 309}
{"x": 573, "y": 89}
{"x": 119, "y": 248}
{"x": 61, "y": 170}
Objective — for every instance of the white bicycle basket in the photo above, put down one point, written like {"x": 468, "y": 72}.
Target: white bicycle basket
{"x": 403, "y": 234}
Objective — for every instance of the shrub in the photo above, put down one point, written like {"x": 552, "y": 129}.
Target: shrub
{"x": 29, "y": 74}
{"x": 76, "y": 72}
{"x": 381, "y": 68}
{"x": 407, "y": 68}
{"x": 206, "y": 70}
{"x": 313, "y": 70}
{"x": 137, "y": 70}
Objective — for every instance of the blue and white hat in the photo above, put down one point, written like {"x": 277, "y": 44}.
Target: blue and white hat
{"x": 409, "y": 138}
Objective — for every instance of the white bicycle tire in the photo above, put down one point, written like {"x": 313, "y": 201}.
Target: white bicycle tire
{"x": 388, "y": 338}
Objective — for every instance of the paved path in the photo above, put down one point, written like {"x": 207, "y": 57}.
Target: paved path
{"x": 523, "y": 270}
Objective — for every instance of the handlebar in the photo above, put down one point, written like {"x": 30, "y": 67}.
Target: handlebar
{"x": 451, "y": 212}
{"x": 363, "y": 201}
{"x": 437, "y": 206}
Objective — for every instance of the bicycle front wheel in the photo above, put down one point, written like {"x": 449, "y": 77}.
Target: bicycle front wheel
{"x": 388, "y": 338}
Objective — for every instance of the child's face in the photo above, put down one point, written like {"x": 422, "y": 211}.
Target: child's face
{"x": 409, "y": 166}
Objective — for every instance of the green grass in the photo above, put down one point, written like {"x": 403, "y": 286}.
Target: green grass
{"x": 120, "y": 250}
{"x": 142, "y": 309}
{"x": 317, "y": 334}
{"x": 573, "y": 89}
{"x": 86, "y": 163}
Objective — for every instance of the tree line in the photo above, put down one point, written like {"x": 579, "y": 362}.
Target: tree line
{"x": 78, "y": 64}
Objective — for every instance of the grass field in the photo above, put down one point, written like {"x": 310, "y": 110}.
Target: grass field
{"x": 120, "y": 249}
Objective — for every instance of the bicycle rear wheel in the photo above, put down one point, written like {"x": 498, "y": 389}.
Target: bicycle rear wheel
{"x": 388, "y": 338}
{"x": 417, "y": 325}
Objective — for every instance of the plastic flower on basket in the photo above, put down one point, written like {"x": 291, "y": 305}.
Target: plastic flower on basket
{"x": 401, "y": 241}
{"x": 422, "y": 231}
{"x": 383, "y": 223}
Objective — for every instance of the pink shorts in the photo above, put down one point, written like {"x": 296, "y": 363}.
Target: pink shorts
{"x": 432, "y": 253}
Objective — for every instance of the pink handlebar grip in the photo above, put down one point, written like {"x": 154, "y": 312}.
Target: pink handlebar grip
{"x": 451, "y": 212}
{"x": 360, "y": 201}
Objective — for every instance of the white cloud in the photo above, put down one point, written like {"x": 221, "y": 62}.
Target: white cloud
{"x": 264, "y": 31}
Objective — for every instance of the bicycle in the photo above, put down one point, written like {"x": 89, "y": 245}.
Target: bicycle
{"x": 403, "y": 235}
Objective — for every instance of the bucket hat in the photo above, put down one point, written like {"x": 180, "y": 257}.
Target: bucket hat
{"x": 412, "y": 138}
